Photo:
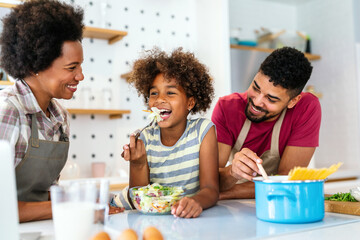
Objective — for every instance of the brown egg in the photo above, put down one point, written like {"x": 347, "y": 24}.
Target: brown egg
{"x": 152, "y": 233}
{"x": 128, "y": 234}
{"x": 101, "y": 236}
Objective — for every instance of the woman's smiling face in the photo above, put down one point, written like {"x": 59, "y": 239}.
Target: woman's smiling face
{"x": 170, "y": 98}
{"x": 60, "y": 80}
{"x": 266, "y": 101}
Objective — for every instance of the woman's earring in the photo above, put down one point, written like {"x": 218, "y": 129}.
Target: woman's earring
{"x": 37, "y": 74}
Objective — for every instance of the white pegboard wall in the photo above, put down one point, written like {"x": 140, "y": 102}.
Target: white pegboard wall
{"x": 165, "y": 24}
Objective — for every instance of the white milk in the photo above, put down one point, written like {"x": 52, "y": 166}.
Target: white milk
{"x": 73, "y": 220}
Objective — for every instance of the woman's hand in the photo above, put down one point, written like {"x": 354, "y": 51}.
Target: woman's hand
{"x": 186, "y": 208}
{"x": 134, "y": 151}
{"x": 244, "y": 164}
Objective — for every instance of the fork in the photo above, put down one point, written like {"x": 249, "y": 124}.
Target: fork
{"x": 137, "y": 135}
{"x": 138, "y": 132}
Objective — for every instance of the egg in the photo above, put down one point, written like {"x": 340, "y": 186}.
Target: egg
{"x": 128, "y": 234}
{"x": 152, "y": 233}
{"x": 101, "y": 236}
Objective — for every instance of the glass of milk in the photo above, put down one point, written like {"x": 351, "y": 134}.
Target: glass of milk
{"x": 73, "y": 207}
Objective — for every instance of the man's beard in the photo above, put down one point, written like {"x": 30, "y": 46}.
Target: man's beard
{"x": 254, "y": 118}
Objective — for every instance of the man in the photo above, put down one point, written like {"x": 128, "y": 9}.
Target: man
{"x": 273, "y": 123}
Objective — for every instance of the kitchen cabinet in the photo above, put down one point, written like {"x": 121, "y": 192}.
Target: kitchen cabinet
{"x": 311, "y": 57}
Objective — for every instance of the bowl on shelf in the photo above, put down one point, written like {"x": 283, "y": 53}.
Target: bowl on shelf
{"x": 155, "y": 199}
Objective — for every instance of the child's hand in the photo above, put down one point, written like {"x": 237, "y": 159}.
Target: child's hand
{"x": 134, "y": 151}
{"x": 186, "y": 208}
{"x": 114, "y": 210}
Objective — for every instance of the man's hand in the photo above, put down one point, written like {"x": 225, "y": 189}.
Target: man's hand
{"x": 244, "y": 165}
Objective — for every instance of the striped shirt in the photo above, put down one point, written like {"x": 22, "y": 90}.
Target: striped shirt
{"x": 177, "y": 165}
{"x": 17, "y": 103}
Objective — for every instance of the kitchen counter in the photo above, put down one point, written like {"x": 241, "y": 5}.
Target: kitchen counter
{"x": 229, "y": 219}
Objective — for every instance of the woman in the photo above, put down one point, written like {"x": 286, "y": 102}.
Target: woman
{"x": 41, "y": 48}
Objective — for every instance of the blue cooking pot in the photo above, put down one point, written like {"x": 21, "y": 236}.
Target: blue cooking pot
{"x": 283, "y": 201}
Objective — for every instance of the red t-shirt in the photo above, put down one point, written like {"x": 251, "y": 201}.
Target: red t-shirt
{"x": 300, "y": 127}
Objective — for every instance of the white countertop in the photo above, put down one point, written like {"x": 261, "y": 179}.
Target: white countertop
{"x": 341, "y": 186}
{"x": 229, "y": 219}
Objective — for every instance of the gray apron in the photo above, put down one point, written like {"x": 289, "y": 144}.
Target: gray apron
{"x": 41, "y": 165}
{"x": 271, "y": 158}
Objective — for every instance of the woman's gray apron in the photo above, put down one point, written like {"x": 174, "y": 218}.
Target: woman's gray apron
{"x": 271, "y": 158}
{"x": 41, "y": 165}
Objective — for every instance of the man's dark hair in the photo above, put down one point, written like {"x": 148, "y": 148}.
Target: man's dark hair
{"x": 288, "y": 68}
{"x": 34, "y": 33}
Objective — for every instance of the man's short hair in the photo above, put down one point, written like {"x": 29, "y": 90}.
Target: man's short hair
{"x": 288, "y": 68}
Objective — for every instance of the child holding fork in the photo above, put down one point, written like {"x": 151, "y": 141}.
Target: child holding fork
{"x": 176, "y": 150}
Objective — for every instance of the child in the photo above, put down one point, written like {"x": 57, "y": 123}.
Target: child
{"x": 175, "y": 151}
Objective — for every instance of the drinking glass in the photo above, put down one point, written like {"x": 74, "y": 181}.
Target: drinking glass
{"x": 85, "y": 97}
{"x": 102, "y": 201}
{"x": 73, "y": 208}
{"x": 107, "y": 98}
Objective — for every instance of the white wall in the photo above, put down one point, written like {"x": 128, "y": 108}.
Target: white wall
{"x": 253, "y": 14}
{"x": 213, "y": 44}
{"x": 331, "y": 27}
{"x": 250, "y": 15}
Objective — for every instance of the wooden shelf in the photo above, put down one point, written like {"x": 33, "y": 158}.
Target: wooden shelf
{"x": 111, "y": 35}
{"x": 7, "y": 5}
{"x": 6, "y": 83}
{"x": 113, "y": 114}
{"x": 126, "y": 76}
{"x": 311, "y": 57}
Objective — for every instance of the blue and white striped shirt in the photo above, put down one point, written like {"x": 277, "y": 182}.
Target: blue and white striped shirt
{"x": 177, "y": 165}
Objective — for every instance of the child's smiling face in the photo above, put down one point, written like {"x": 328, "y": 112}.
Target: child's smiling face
{"x": 170, "y": 98}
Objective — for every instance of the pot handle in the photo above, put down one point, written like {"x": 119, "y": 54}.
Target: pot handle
{"x": 281, "y": 193}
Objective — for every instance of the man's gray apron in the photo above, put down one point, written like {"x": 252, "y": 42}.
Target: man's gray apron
{"x": 271, "y": 158}
{"x": 41, "y": 165}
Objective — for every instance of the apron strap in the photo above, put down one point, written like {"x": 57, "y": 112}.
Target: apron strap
{"x": 63, "y": 136}
{"x": 243, "y": 133}
{"x": 275, "y": 136}
{"x": 34, "y": 132}
{"x": 274, "y": 146}
{"x": 240, "y": 140}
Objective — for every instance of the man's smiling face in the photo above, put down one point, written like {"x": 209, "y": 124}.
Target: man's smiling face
{"x": 266, "y": 101}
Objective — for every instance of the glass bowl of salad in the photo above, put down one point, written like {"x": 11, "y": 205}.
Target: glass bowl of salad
{"x": 154, "y": 198}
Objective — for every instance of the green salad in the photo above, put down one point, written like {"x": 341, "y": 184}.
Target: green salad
{"x": 344, "y": 197}
{"x": 155, "y": 198}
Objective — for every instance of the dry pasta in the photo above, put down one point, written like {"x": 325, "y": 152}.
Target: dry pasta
{"x": 300, "y": 173}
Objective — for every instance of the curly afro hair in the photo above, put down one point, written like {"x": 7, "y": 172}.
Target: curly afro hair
{"x": 34, "y": 33}
{"x": 182, "y": 66}
{"x": 288, "y": 68}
